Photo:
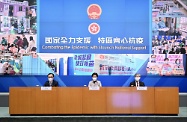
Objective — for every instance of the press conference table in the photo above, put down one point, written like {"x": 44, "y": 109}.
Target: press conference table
{"x": 81, "y": 100}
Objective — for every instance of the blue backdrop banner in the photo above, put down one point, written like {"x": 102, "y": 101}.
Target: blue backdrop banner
{"x": 94, "y": 26}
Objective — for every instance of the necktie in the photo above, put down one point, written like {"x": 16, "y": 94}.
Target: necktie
{"x": 50, "y": 83}
{"x": 137, "y": 84}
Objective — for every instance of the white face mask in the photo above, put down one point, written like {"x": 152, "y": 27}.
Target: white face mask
{"x": 50, "y": 79}
{"x": 94, "y": 79}
{"x": 137, "y": 78}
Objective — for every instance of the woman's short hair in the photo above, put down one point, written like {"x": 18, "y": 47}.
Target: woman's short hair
{"x": 94, "y": 74}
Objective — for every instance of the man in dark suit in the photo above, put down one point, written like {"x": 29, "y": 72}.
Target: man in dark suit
{"x": 51, "y": 81}
{"x": 137, "y": 82}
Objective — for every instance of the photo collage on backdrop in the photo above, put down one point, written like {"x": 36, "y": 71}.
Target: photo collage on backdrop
{"x": 18, "y": 46}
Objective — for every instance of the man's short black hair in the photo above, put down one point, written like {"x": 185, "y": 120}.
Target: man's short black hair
{"x": 51, "y": 74}
{"x": 94, "y": 74}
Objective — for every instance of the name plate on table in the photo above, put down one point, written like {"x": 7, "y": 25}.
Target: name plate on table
{"x": 94, "y": 88}
{"x": 46, "y": 88}
{"x": 141, "y": 88}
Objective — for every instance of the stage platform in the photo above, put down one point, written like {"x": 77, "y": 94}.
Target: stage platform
{"x": 182, "y": 117}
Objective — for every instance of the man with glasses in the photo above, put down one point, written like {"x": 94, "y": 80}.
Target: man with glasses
{"x": 137, "y": 82}
{"x": 51, "y": 82}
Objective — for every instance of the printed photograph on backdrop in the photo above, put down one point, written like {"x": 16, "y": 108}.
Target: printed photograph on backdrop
{"x": 167, "y": 65}
{"x": 118, "y": 64}
{"x": 169, "y": 27}
{"x": 17, "y": 33}
{"x": 112, "y": 64}
{"x": 59, "y": 64}
{"x": 10, "y": 64}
